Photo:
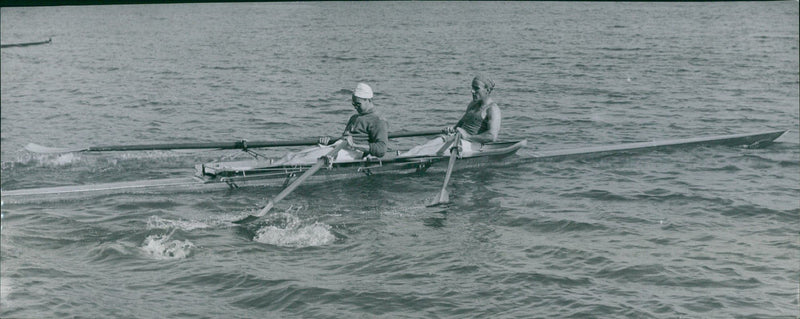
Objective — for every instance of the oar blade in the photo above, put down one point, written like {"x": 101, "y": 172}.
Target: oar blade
{"x": 444, "y": 195}
{"x": 262, "y": 212}
{"x": 36, "y": 148}
{"x": 443, "y": 198}
{"x": 246, "y": 220}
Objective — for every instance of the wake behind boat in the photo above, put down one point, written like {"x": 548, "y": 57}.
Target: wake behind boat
{"x": 275, "y": 172}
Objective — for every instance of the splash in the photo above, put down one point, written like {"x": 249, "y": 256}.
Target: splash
{"x": 287, "y": 230}
{"x": 161, "y": 247}
{"x": 27, "y": 159}
{"x": 24, "y": 160}
{"x": 63, "y": 160}
{"x": 46, "y": 160}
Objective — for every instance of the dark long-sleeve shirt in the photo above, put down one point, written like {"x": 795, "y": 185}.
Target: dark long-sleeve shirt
{"x": 369, "y": 128}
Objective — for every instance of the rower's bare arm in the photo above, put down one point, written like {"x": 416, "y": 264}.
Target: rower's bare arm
{"x": 494, "y": 122}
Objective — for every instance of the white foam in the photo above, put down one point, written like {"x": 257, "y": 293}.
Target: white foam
{"x": 294, "y": 233}
{"x": 55, "y": 160}
{"x": 161, "y": 247}
{"x": 66, "y": 159}
{"x": 43, "y": 160}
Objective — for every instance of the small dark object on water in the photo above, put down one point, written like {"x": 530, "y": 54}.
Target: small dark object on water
{"x": 26, "y": 44}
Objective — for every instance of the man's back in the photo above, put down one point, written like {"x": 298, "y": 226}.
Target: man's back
{"x": 369, "y": 128}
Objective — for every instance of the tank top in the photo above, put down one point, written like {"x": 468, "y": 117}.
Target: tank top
{"x": 474, "y": 122}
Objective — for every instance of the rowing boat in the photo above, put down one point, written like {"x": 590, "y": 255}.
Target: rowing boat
{"x": 260, "y": 172}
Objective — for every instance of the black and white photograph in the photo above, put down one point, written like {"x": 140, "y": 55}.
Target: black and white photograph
{"x": 400, "y": 159}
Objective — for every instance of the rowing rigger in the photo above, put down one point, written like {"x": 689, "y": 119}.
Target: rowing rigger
{"x": 262, "y": 172}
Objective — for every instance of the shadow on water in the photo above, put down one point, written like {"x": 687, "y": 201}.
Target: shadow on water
{"x": 247, "y": 231}
{"x": 437, "y": 221}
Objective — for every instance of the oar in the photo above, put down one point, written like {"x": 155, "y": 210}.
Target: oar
{"x": 322, "y": 161}
{"x": 444, "y": 196}
{"x": 243, "y": 144}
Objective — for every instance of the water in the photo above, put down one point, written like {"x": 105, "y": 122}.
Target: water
{"x": 707, "y": 232}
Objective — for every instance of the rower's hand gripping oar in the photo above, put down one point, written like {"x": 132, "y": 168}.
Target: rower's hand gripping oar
{"x": 322, "y": 161}
{"x": 455, "y": 150}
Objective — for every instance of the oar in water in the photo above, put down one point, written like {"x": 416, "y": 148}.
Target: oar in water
{"x": 322, "y": 161}
{"x": 444, "y": 196}
{"x": 243, "y": 144}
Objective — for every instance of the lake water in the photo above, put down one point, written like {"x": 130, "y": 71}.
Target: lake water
{"x": 703, "y": 232}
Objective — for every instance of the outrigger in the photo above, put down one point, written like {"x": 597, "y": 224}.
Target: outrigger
{"x": 263, "y": 171}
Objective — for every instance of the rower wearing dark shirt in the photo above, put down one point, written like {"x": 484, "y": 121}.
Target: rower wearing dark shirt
{"x": 365, "y": 131}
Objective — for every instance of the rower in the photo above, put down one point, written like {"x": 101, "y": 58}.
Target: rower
{"x": 481, "y": 120}
{"x": 366, "y": 135}
{"x": 366, "y": 131}
{"x": 479, "y": 124}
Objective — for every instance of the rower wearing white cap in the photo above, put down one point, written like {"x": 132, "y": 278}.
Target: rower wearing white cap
{"x": 365, "y": 131}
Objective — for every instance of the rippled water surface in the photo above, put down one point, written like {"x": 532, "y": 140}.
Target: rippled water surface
{"x": 702, "y": 232}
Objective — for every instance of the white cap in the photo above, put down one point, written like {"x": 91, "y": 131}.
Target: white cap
{"x": 363, "y": 91}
